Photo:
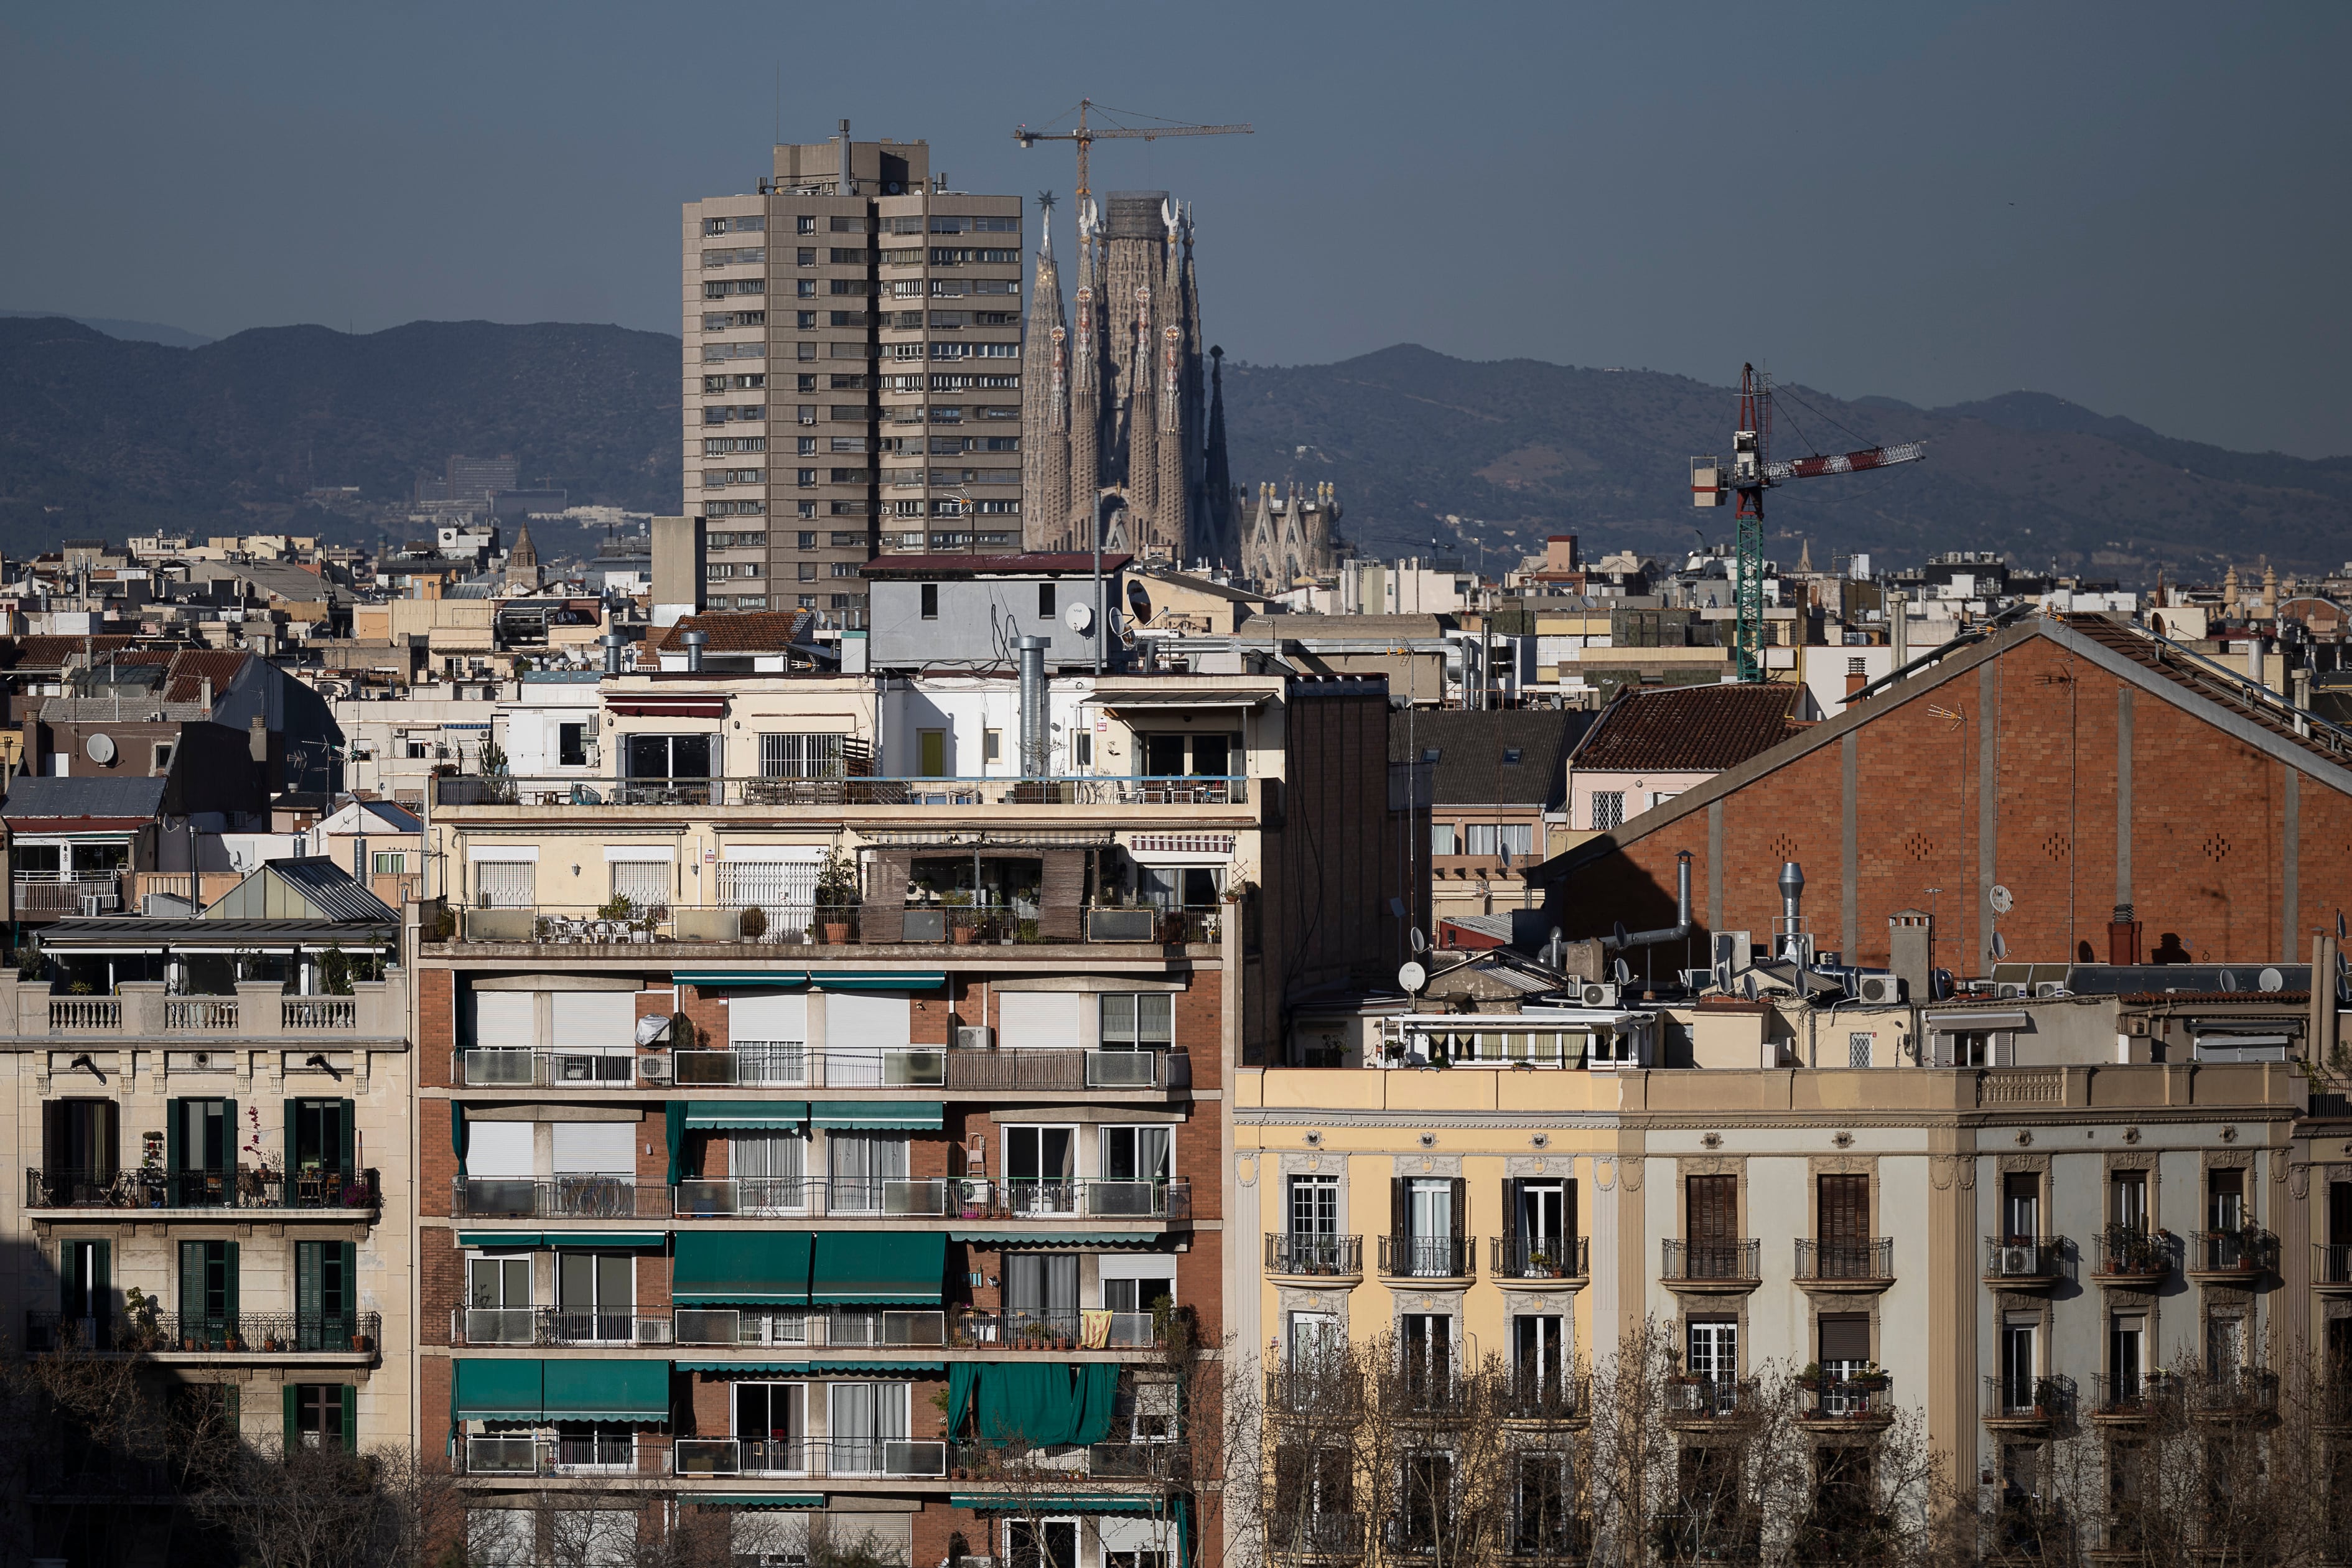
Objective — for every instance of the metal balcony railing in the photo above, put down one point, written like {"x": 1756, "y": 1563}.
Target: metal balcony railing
{"x": 2127, "y": 1253}
{"x": 1549, "y": 1395}
{"x": 1868, "y": 1259}
{"x": 85, "y": 895}
{"x": 818, "y": 1328}
{"x": 1704, "y": 1398}
{"x": 68, "y": 1189}
{"x": 556, "y": 1326}
{"x": 1090, "y": 789}
{"x": 240, "y": 1333}
{"x": 1542, "y": 1256}
{"x": 2247, "y": 1390}
{"x": 837, "y": 1457}
{"x": 2008, "y": 1258}
{"x": 1829, "y": 1398}
{"x": 1302, "y": 1535}
{"x": 602, "y": 1454}
{"x": 1710, "y": 1260}
{"x": 1087, "y": 1329}
{"x": 2331, "y": 1264}
{"x": 2048, "y": 1398}
{"x": 2133, "y": 1396}
{"x": 573, "y": 925}
{"x": 1306, "y": 1252}
{"x": 2248, "y": 1250}
{"x": 789, "y": 1064}
{"x": 1428, "y": 1256}
{"x": 581, "y": 1196}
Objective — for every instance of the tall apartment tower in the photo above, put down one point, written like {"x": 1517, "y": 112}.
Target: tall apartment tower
{"x": 852, "y": 375}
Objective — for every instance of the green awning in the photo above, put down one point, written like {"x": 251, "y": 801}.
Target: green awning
{"x": 746, "y": 1115}
{"x": 870, "y": 1366}
{"x": 1047, "y": 1234}
{"x": 499, "y": 1238}
{"x": 744, "y": 1267}
{"x": 877, "y": 1115}
{"x": 760, "y": 1500}
{"x": 739, "y": 976}
{"x": 605, "y": 1390}
{"x": 604, "y": 1238}
{"x": 501, "y": 1390}
{"x": 1075, "y": 1503}
{"x": 878, "y": 979}
{"x": 1033, "y": 1404}
{"x": 901, "y": 1268}
{"x": 801, "y": 1368}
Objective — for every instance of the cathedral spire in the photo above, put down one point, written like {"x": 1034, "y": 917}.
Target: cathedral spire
{"x": 1045, "y": 401}
{"x": 1222, "y": 544}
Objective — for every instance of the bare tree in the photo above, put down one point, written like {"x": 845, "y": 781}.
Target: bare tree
{"x": 323, "y": 1508}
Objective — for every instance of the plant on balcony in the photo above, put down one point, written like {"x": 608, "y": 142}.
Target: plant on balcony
{"x": 2049, "y": 1394}
{"x": 335, "y": 971}
{"x": 141, "y": 1311}
{"x": 753, "y": 924}
{"x": 1811, "y": 1376}
{"x": 619, "y": 907}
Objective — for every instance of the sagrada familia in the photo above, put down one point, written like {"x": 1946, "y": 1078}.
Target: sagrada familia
{"x": 1122, "y": 428}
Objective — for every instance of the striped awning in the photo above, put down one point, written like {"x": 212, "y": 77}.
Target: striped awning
{"x": 874, "y": 1115}
{"x": 748, "y": 1115}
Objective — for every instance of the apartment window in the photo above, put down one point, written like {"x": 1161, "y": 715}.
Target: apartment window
{"x": 1141, "y": 1021}
{"x": 505, "y": 884}
{"x": 1144, "y": 1155}
{"x": 323, "y": 1416}
{"x": 1425, "y": 1341}
{"x": 805, "y": 478}
{"x": 2127, "y": 1200}
{"x": 1857, "y": 1048}
{"x": 644, "y": 883}
{"x": 2020, "y": 1207}
{"x": 2126, "y": 1357}
{"x": 771, "y": 1421}
{"x": 806, "y": 447}
{"x": 1044, "y": 601}
{"x": 808, "y": 571}
{"x": 1539, "y": 1357}
{"x": 788, "y": 756}
{"x": 596, "y": 1297}
{"x": 1608, "y": 809}
{"x": 1040, "y": 1162}
{"x": 208, "y": 1291}
{"x": 163, "y": 758}
{"x": 388, "y": 862}
{"x": 863, "y": 1166}
{"x": 2019, "y": 1363}
{"x": 867, "y": 1417}
{"x": 991, "y": 745}
{"x": 1425, "y": 1225}
{"x": 1042, "y": 1287}
{"x": 844, "y": 568}
{"x": 1441, "y": 839}
{"x": 930, "y": 599}
{"x": 1712, "y": 1351}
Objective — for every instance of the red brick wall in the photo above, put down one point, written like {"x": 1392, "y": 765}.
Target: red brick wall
{"x": 436, "y": 1026}
{"x": 2207, "y": 830}
{"x": 440, "y": 1281}
{"x": 1200, "y": 1027}
{"x": 437, "y": 1161}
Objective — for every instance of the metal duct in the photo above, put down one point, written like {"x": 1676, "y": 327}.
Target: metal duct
{"x": 1032, "y": 652}
{"x": 693, "y": 643}
{"x": 1792, "y": 895}
{"x": 846, "y": 186}
{"x": 614, "y": 643}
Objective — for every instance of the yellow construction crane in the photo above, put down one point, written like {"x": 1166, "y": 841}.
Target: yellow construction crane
{"x": 1087, "y": 134}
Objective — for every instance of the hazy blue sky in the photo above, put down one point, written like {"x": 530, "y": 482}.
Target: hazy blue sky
{"x": 2137, "y": 206}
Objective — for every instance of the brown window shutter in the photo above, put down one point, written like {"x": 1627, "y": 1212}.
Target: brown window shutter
{"x": 1845, "y": 1336}
{"x": 884, "y": 918}
{"x": 1459, "y": 1202}
{"x": 1061, "y": 894}
{"x": 1845, "y": 1209}
{"x": 1511, "y": 1213}
{"x": 1714, "y": 1208}
{"x": 1568, "y": 1225}
{"x": 1399, "y": 1209}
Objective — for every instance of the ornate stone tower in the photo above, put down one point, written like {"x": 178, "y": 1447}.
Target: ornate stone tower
{"x": 1293, "y": 536}
{"x": 1115, "y": 406}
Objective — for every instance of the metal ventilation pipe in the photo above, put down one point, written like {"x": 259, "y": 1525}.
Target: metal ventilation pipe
{"x": 1621, "y": 938}
{"x": 1792, "y": 895}
{"x": 846, "y": 186}
{"x": 1032, "y": 652}
{"x": 614, "y": 643}
{"x": 693, "y": 642}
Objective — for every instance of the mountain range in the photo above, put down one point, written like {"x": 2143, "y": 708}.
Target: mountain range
{"x": 99, "y": 435}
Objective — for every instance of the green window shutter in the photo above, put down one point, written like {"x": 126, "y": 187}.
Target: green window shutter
{"x": 101, "y": 1279}
{"x": 230, "y": 1137}
{"x": 175, "y": 1123}
{"x": 347, "y": 1290}
{"x": 308, "y": 1299}
{"x": 350, "y": 1419}
{"x": 293, "y": 1417}
{"x": 230, "y": 1289}
{"x": 233, "y": 1410}
{"x": 293, "y": 1143}
{"x": 346, "y": 1137}
{"x": 191, "y": 1285}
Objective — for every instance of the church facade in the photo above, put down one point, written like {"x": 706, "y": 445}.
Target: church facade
{"x": 1122, "y": 408}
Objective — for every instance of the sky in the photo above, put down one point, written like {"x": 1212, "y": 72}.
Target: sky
{"x": 2137, "y": 207}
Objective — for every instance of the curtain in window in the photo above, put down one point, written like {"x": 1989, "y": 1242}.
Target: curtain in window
{"x": 861, "y": 1164}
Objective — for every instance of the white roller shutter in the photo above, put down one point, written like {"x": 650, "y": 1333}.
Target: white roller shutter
{"x": 498, "y": 1148}
{"x": 771, "y": 1016}
{"x": 609, "y": 1147}
{"x": 595, "y": 1020}
{"x": 1057, "y": 1018}
{"x": 879, "y": 1019}
{"x": 503, "y": 1020}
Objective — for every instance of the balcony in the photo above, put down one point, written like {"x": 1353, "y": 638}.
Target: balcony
{"x": 800, "y": 926}
{"x": 2132, "y": 1399}
{"x": 480, "y": 1326}
{"x": 1081, "y": 790}
{"x": 839, "y": 1457}
{"x": 817, "y": 1329}
{"x": 83, "y": 1015}
{"x": 1087, "y": 1329}
{"x": 2331, "y": 1267}
{"x": 583, "y": 1196}
{"x": 2232, "y": 1257}
{"x": 1710, "y": 1267}
{"x": 50, "y": 898}
{"x": 2232, "y": 1395}
{"x": 1859, "y": 1400}
{"x": 354, "y": 1336}
{"x": 1845, "y": 1267}
{"x": 613, "y": 1454}
{"x": 1699, "y": 1402}
{"x": 1538, "y": 1262}
{"x": 1314, "y": 1256}
{"x": 1428, "y": 1256}
{"x": 1305, "y": 1536}
{"x": 785, "y": 1065}
{"x": 1548, "y": 1398}
{"x": 330, "y": 1194}
{"x": 2128, "y": 1255}
{"x": 2029, "y": 1405}
{"x": 933, "y": 1197}
{"x": 259, "y": 1010}
{"x": 2024, "y": 1265}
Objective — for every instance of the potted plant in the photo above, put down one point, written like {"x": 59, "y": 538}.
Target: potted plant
{"x": 139, "y": 1310}
{"x": 2046, "y": 1397}
{"x": 752, "y": 923}
{"x": 359, "y": 1342}
{"x": 838, "y": 895}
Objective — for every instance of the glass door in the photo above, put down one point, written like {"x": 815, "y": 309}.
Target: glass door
{"x": 497, "y": 1300}
{"x": 1041, "y": 1169}
{"x": 595, "y": 1297}
{"x": 771, "y": 1427}
{"x": 1713, "y": 1358}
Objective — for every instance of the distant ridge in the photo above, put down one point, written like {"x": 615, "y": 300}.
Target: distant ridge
{"x": 129, "y": 332}
{"x": 103, "y": 435}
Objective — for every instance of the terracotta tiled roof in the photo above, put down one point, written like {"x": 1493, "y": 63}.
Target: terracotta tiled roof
{"x": 1689, "y": 729}
{"x": 1025, "y": 563}
{"x": 189, "y": 668}
{"x": 744, "y": 631}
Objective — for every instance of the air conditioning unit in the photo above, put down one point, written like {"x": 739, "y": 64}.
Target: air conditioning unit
{"x": 975, "y": 1036}
{"x": 2017, "y": 1260}
{"x": 1596, "y": 995}
{"x": 2009, "y": 990}
{"x": 2050, "y": 988}
{"x": 653, "y": 1332}
{"x": 654, "y": 1069}
{"x": 1882, "y": 989}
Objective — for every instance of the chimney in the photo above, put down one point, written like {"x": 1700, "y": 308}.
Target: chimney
{"x": 614, "y": 643}
{"x": 207, "y": 697}
{"x": 258, "y": 739}
{"x": 846, "y": 186}
{"x": 1032, "y": 652}
{"x": 1911, "y": 953}
{"x": 2122, "y": 937}
{"x": 693, "y": 641}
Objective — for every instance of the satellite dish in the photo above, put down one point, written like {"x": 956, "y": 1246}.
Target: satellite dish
{"x": 1747, "y": 983}
{"x": 652, "y": 1028}
{"x": 2001, "y": 899}
{"x": 99, "y": 749}
{"x": 2000, "y": 945}
{"x": 1623, "y": 936}
{"x": 1506, "y": 857}
{"x": 1420, "y": 942}
{"x": 2270, "y": 979}
{"x": 2229, "y": 981}
{"x": 1080, "y": 618}
{"x": 2339, "y": 928}
{"x": 1138, "y": 601}
{"x": 1412, "y": 977}
{"x": 1624, "y": 972}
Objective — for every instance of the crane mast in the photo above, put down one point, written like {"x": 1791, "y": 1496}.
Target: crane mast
{"x": 1752, "y": 472}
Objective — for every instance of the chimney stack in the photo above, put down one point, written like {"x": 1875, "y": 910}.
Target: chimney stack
{"x": 693, "y": 642}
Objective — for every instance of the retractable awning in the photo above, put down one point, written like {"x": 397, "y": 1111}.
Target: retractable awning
{"x": 876, "y": 1115}
{"x": 878, "y": 979}
{"x": 739, "y": 976}
{"x": 1073, "y": 1502}
{"x": 1974, "y": 1022}
{"x": 748, "y": 1115}
{"x": 743, "y": 1268}
{"x": 605, "y": 1390}
{"x": 604, "y": 1238}
{"x": 500, "y": 1238}
{"x": 501, "y": 1390}
{"x": 901, "y": 1269}
{"x": 760, "y": 1500}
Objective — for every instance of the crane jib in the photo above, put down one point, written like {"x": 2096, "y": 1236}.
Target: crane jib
{"x": 1847, "y": 463}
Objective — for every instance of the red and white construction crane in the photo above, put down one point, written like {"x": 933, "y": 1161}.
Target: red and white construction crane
{"x": 1751, "y": 474}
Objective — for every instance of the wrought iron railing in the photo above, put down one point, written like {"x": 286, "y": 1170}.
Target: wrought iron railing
{"x": 1862, "y": 1399}
{"x": 2009, "y": 1258}
{"x": 2331, "y": 1263}
{"x": 1542, "y": 1256}
{"x": 1548, "y": 1394}
{"x": 1872, "y": 1258}
{"x": 1429, "y": 1257}
{"x": 556, "y": 1326}
{"x": 1087, "y": 1329}
{"x": 1704, "y": 1398}
{"x": 604, "y": 1452}
{"x": 2126, "y": 1252}
{"x": 239, "y": 1333}
{"x": 1710, "y": 1260}
{"x": 140, "y": 1189}
{"x": 2248, "y": 1250}
{"x": 841, "y": 1456}
{"x": 1298, "y": 1535}
{"x": 1312, "y": 1252}
{"x": 2043, "y": 1398}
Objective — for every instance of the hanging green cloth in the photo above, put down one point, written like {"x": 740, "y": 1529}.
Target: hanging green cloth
{"x": 676, "y": 1128}
{"x": 961, "y": 1376}
{"x": 1098, "y": 1388}
{"x": 457, "y": 1134}
{"x": 1041, "y": 1404}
